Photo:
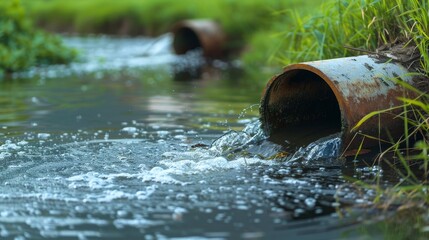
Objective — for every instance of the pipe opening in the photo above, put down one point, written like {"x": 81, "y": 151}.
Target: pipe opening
{"x": 185, "y": 39}
{"x": 298, "y": 108}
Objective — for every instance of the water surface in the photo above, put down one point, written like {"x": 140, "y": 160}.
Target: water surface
{"x": 135, "y": 142}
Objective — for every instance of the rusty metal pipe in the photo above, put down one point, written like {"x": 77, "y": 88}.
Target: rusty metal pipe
{"x": 199, "y": 33}
{"x": 330, "y": 96}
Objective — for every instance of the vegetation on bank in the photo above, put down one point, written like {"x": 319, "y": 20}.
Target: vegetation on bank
{"x": 369, "y": 25}
{"x": 247, "y": 23}
{"x": 240, "y": 19}
{"x": 22, "y": 46}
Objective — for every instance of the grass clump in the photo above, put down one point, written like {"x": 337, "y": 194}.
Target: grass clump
{"x": 370, "y": 25}
{"x": 21, "y": 46}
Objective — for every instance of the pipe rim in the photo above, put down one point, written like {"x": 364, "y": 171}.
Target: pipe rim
{"x": 345, "y": 125}
{"x": 344, "y": 110}
{"x": 210, "y": 34}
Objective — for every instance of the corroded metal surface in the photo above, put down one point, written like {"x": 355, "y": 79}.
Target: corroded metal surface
{"x": 333, "y": 95}
{"x": 200, "y": 33}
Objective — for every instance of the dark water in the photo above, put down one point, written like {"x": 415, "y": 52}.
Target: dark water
{"x": 121, "y": 146}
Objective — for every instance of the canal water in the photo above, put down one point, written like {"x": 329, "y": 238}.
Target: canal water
{"x": 134, "y": 142}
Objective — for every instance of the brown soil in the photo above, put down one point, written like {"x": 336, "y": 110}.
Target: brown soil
{"x": 404, "y": 52}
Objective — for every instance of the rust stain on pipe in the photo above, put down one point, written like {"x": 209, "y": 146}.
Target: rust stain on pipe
{"x": 199, "y": 33}
{"x": 331, "y": 96}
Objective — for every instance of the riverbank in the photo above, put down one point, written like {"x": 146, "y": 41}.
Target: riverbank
{"x": 250, "y": 25}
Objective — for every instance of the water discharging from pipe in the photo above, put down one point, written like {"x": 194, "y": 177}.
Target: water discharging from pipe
{"x": 324, "y": 97}
{"x": 301, "y": 108}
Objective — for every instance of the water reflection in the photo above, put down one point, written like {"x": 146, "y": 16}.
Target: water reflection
{"x": 205, "y": 71}
{"x": 168, "y": 104}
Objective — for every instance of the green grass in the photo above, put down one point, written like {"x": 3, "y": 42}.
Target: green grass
{"x": 22, "y": 46}
{"x": 364, "y": 24}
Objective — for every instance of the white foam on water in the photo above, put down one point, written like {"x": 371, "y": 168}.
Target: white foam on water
{"x": 92, "y": 180}
{"x": 103, "y": 184}
{"x": 79, "y": 234}
{"x": 43, "y": 136}
{"x": 192, "y": 167}
{"x": 9, "y": 145}
{"x": 162, "y": 133}
{"x": 45, "y": 222}
{"x": 130, "y": 130}
{"x": 175, "y": 167}
{"x": 145, "y": 194}
{"x": 293, "y": 181}
{"x": 4, "y": 155}
{"x": 172, "y": 168}
{"x": 198, "y": 162}
{"x": 159, "y": 175}
{"x": 110, "y": 195}
{"x": 9, "y": 148}
{"x": 138, "y": 223}
{"x": 38, "y": 196}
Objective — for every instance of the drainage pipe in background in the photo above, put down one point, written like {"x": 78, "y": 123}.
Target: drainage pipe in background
{"x": 331, "y": 96}
{"x": 200, "y": 33}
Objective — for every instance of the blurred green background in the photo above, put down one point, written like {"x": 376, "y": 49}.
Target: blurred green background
{"x": 250, "y": 25}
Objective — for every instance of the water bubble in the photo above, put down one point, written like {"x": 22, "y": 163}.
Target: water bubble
{"x": 242, "y": 207}
{"x": 121, "y": 213}
{"x": 181, "y": 137}
{"x": 4, "y": 155}
{"x": 180, "y": 210}
{"x": 8, "y": 145}
{"x": 193, "y": 197}
{"x": 22, "y": 143}
{"x": 130, "y": 130}
{"x": 310, "y": 202}
{"x": 162, "y": 133}
{"x": 283, "y": 171}
{"x": 180, "y": 196}
{"x": 301, "y": 196}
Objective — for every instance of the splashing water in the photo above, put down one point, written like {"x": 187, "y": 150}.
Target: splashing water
{"x": 252, "y": 139}
{"x": 326, "y": 148}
